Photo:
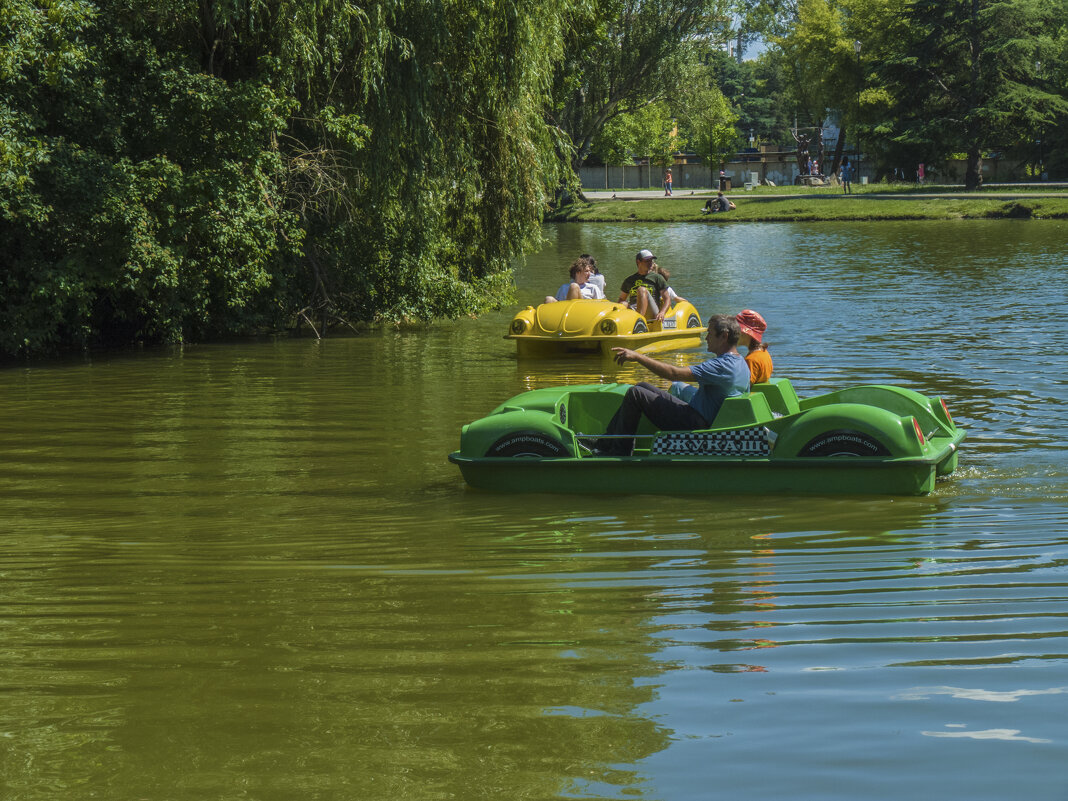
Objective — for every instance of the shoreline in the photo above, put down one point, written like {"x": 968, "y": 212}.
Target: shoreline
{"x": 830, "y": 204}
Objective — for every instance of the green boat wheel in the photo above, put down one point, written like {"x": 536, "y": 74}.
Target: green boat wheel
{"x": 527, "y": 445}
{"x": 844, "y": 442}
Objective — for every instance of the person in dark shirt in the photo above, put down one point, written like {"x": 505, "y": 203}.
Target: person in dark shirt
{"x": 718, "y": 203}
{"x": 646, "y": 291}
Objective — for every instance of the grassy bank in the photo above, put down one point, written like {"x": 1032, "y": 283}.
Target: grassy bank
{"x": 818, "y": 205}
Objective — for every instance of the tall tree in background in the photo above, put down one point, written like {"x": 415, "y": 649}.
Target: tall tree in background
{"x": 1049, "y": 147}
{"x": 967, "y": 77}
{"x": 755, "y": 90}
{"x": 627, "y": 54}
{"x": 769, "y": 18}
{"x": 823, "y": 70}
{"x": 698, "y": 118}
{"x": 813, "y": 54}
{"x": 708, "y": 121}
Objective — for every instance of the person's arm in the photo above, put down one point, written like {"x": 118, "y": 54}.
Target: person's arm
{"x": 662, "y": 369}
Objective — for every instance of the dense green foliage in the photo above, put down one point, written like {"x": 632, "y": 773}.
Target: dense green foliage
{"x": 631, "y": 69}
{"x": 756, "y": 91}
{"x": 933, "y": 78}
{"x": 966, "y": 77}
{"x": 189, "y": 170}
{"x": 138, "y": 198}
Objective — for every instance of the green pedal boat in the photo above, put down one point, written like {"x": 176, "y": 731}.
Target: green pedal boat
{"x": 869, "y": 439}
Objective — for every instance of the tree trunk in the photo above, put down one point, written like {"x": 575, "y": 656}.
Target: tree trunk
{"x": 973, "y": 177}
{"x": 839, "y": 148}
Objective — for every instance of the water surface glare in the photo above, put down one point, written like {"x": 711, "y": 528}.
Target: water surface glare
{"x": 247, "y": 571}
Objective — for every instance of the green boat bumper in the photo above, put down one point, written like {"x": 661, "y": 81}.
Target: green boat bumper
{"x": 705, "y": 475}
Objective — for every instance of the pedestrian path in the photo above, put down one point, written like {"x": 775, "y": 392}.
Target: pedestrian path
{"x": 992, "y": 191}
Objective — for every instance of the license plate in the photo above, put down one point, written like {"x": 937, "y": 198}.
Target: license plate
{"x": 669, "y": 324}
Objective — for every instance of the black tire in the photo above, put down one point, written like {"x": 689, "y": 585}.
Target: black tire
{"x": 693, "y": 322}
{"x": 844, "y": 442}
{"x": 527, "y": 445}
{"x": 640, "y": 327}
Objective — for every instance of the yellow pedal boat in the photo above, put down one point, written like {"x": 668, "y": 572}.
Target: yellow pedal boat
{"x": 594, "y": 327}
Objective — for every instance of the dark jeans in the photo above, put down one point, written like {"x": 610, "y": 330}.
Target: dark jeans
{"x": 667, "y": 413}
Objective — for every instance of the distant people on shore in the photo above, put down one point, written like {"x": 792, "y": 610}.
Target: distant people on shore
{"x": 580, "y": 287}
{"x": 667, "y": 183}
{"x": 845, "y": 172}
{"x": 719, "y": 203}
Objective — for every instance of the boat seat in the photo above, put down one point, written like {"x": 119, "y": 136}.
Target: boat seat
{"x": 780, "y": 395}
{"x": 590, "y": 411}
{"x": 743, "y": 410}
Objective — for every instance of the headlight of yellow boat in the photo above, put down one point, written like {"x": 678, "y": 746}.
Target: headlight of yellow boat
{"x": 608, "y": 327}
{"x": 519, "y": 326}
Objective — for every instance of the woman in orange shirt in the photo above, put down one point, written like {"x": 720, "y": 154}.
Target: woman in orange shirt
{"x": 758, "y": 358}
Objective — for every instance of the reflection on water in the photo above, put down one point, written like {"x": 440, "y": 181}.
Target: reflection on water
{"x": 248, "y": 571}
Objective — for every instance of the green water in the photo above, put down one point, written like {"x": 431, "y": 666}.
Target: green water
{"x": 247, "y": 571}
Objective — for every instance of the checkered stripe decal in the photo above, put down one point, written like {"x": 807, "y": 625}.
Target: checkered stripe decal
{"x": 751, "y": 441}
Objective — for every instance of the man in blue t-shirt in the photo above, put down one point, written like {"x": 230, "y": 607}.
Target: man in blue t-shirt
{"x": 721, "y": 377}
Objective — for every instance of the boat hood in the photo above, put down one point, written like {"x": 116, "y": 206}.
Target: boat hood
{"x": 570, "y": 317}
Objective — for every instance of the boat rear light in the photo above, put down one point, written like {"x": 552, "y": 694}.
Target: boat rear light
{"x": 608, "y": 327}
{"x": 919, "y": 433}
{"x": 519, "y": 326}
{"x": 945, "y": 409}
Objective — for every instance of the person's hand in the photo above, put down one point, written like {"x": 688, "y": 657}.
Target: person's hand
{"x": 660, "y": 316}
{"x": 624, "y": 355}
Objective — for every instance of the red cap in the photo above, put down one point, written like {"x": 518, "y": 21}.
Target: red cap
{"x": 752, "y": 323}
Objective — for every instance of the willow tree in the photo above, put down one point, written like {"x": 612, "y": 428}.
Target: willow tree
{"x": 180, "y": 170}
{"x": 458, "y": 163}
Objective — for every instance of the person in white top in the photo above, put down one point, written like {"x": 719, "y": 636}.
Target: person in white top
{"x": 673, "y": 297}
{"x": 596, "y": 276}
{"x": 579, "y": 287}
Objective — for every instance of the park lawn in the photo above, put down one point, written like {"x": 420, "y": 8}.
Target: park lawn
{"x": 824, "y": 206}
